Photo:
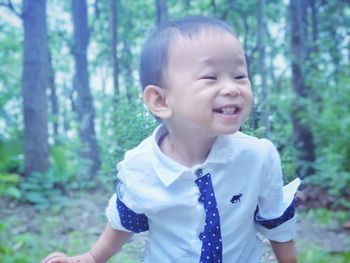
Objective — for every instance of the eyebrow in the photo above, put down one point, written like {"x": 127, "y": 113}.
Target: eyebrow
{"x": 203, "y": 64}
{"x": 209, "y": 62}
{"x": 206, "y": 62}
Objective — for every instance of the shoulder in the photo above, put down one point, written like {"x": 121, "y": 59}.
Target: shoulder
{"x": 240, "y": 140}
{"x": 258, "y": 150}
{"x": 240, "y": 147}
{"x": 136, "y": 161}
{"x": 144, "y": 152}
{"x": 137, "y": 178}
{"x": 138, "y": 154}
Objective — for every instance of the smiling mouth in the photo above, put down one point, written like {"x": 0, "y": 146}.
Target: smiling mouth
{"x": 230, "y": 110}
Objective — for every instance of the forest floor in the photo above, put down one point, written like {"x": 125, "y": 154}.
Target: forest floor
{"x": 74, "y": 228}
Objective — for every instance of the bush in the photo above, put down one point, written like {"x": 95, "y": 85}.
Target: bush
{"x": 332, "y": 137}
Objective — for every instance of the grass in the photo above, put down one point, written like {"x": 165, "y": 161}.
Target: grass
{"x": 28, "y": 247}
{"x": 327, "y": 218}
{"x": 28, "y": 235}
{"x": 314, "y": 255}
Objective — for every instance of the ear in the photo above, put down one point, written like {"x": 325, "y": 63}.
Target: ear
{"x": 155, "y": 99}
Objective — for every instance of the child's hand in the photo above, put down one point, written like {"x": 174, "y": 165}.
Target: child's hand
{"x": 58, "y": 257}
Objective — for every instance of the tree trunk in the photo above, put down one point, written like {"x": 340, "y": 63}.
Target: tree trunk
{"x": 348, "y": 30}
{"x": 126, "y": 57}
{"x": 214, "y": 6}
{"x": 162, "y": 11}
{"x": 127, "y": 67}
{"x": 303, "y": 139}
{"x": 84, "y": 105}
{"x": 187, "y": 4}
{"x": 53, "y": 99}
{"x": 113, "y": 29}
{"x": 249, "y": 56}
{"x": 336, "y": 53}
{"x": 314, "y": 22}
{"x": 262, "y": 67}
{"x": 66, "y": 109}
{"x": 34, "y": 84}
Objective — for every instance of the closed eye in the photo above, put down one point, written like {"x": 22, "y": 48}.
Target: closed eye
{"x": 210, "y": 77}
{"x": 240, "y": 77}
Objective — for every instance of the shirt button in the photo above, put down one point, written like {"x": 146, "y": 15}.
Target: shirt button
{"x": 201, "y": 199}
{"x": 199, "y": 172}
{"x": 201, "y": 236}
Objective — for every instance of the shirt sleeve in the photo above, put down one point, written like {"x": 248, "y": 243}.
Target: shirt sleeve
{"x": 125, "y": 211}
{"x": 275, "y": 216}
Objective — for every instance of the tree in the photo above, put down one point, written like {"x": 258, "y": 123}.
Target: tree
{"x": 113, "y": 28}
{"x": 262, "y": 67}
{"x": 34, "y": 85}
{"x": 84, "y": 106}
{"x": 162, "y": 11}
{"x": 127, "y": 58}
{"x": 187, "y": 5}
{"x": 303, "y": 139}
{"x": 53, "y": 98}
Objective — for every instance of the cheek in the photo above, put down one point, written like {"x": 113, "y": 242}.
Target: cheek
{"x": 248, "y": 94}
{"x": 249, "y": 100}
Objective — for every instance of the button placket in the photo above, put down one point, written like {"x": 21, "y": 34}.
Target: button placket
{"x": 211, "y": 235}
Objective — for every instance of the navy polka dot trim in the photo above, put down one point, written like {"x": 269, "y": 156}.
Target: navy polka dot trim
{"x": 272, "y": 223}
{"x": 211, "y": 236}
{"x": 130, "y": 220}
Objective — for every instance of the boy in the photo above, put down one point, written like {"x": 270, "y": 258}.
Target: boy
{"x": 202, "y": 188}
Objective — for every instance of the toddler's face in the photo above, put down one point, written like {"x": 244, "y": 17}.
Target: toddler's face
{"x": 206, "y": 82}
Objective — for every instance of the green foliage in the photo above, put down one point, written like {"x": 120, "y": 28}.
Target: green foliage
{"x": 316, "y": 255}
{"x": 9, "y": 186}
{"x": 331, "y": 132}
{"x": 130, "y": 253}
{"x": 21, "y": 241}
{"x": 10, "y": 123}
{"x": 44, "y": 190}
{"x": 68, "y": 168}
{"x": 10, "y": 162}
{"x": 10, "y": 154}
{"x": 127, "y": 127}
{"x": 327, "y": 218}
{"x": 281, "y": 127}
{"x": 121, "y": 124}
{"x": 67, "y": 173}
{"x": 326, "y": 75}
{"x": 133, "y": 123}
{"x": 12, "y": 246}
{"x": 10, "y": 79}
{"x": 27, "y": 235}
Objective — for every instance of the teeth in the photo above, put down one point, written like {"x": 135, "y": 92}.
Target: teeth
{"x": 229, "y": 110}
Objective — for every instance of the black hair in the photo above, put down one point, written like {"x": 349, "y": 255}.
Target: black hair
{"x": 154, "y": 54}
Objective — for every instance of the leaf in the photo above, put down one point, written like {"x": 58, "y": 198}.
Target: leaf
{"x": 13, "y": 192}
{"x": 9, "y": 178}
{"x": 36, "y": 198}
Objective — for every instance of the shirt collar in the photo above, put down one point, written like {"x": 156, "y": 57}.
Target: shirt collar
{"x": 168, "y": 170}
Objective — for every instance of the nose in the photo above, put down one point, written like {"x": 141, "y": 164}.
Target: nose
{"x": 229, "y": 88}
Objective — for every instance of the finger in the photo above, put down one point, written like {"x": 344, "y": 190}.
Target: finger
{"x": 56, "y": 257}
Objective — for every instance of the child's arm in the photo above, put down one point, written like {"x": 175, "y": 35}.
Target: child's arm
{"x": 284, "y": 252}
{"x": 106, "y": 246}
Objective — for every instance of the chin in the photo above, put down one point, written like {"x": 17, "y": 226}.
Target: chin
{"x": 228, "y": 130}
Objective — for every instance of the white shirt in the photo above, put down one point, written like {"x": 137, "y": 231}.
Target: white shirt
{"x": 206, "y": 213}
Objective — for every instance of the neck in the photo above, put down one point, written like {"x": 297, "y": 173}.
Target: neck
{"x": 185, "y": 148}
